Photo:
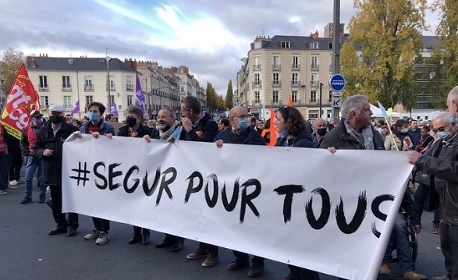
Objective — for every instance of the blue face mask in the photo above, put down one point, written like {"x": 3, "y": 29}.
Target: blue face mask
{"x": 283, "y": 134}
{"x": 443, "y": 134}
{"x": 243, "y": 123}
{"x": 93, "y": 116}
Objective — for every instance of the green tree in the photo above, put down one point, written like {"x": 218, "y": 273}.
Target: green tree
{"x": 447, "y": 31}
{"x": 9, "y": 67}
{"x": 378, "y": 57}
{"x": 229, "y": 96}
{"x": 210, "y": 97}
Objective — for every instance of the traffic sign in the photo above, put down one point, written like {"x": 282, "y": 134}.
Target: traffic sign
{"x": 336, "y": 101}
{"x": 337, "y": 82}
{"x": 337, "y": 93}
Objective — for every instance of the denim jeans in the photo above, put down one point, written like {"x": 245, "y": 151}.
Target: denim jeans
{"x": 3, "y": 171}
{"x": 419, "y": 198}
{"x": 399, "y": 240}
{"x": 34, "y": 165}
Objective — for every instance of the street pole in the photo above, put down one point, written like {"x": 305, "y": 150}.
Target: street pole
{"x": 336, "y": 51}
{"x": 108, "y": 85}
{"x": 321, "y": 103}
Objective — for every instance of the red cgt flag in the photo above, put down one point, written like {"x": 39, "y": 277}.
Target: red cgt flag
{"x": 21, "y": 100}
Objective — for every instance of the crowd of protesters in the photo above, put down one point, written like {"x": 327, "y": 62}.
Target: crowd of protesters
{"x": 429, "y": 145}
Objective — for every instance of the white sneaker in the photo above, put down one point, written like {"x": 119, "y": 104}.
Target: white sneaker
{"x": 103, "y": 238}
{"x": 13, "y": 183}
{"x": 3, "y": 192}
{"x": 93, "y": 235}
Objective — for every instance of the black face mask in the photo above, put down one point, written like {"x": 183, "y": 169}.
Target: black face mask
{"x": 321, "y": 131}
{"x": 56, "y": 119}
{"x": 131, "y": 122}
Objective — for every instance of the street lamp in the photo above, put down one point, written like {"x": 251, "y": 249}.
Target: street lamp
{"x": 108, "y": 83}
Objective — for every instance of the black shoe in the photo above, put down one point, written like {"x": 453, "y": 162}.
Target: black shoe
{"x": 27, "y": 199}
{"x": 177, "y": 246}
{"x": 145, "y": 238}
{"x": 239, "y": 263}
{"x": 42, "y": 199}
{"x": 49, "y": 202}
{"x": 57, "y": 230}
{"x": 137, "y": 238}
{"x": 71, "y": 231}
{"x": 167, "y": 242}
{"x": 256, "y": 269}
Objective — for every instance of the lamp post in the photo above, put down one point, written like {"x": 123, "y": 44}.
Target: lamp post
{"x": 108, "y": 84}
{"x": 321, "y": 102}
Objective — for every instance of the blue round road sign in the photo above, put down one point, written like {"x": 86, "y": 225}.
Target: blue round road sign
{"x": 337, "y": 82}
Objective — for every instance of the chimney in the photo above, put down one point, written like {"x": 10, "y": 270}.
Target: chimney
{"x": 33, "y": 63}
{"x": 315, "y": 35}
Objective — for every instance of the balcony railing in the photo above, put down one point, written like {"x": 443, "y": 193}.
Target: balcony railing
{"x": 295, "y": 83}
{"x": 256, "y": 67}
{"x": 66, "y": 88}
{"x": 315, "y": 67}
{"x": 295, "y": 67}
{"x": 88, "y": 88}
{"x": 276, "y": 84}
{"x": 112, "y": 87}
{"x": 129, "y": 87}
{"x": 257, "y": 84}
{"x": 43, "y": 88}
{"x": 314, "y": 83}
{"x": 276, "y": 67}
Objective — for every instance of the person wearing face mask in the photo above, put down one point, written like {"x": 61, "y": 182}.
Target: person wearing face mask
{"x": 445, "y": 167}
{"x": 33, "y": 164}
{"x": 97, "y": 126}
{"x": 242, "y": 133}
{"x": 400, "y": 140}
{"x": 48, "y": 146}
{"x": 319, "y": 130}
{"x": 134, "y": 128}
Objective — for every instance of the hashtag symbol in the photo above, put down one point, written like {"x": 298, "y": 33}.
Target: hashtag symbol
{"x": 82, "y": 174}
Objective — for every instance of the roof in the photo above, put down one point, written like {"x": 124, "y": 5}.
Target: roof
{"x": 76, "y": 64}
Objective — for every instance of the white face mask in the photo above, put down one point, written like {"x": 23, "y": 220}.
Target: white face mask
{"x": 405, "y": 130}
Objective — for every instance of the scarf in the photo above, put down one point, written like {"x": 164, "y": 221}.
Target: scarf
{"x": 164, "y": 135}
{"x": 366, "y": 137}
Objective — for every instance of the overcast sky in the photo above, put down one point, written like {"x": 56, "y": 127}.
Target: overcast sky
{"x": 208, "y": 36}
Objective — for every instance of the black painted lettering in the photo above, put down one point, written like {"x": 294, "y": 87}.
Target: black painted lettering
{"x": 358, "y": 218}
{"x": 100, "y": 176}
{"x": 149, "y": 191}
{"x": 230, "y": 206}
{"x": 247, "y": 198}
{"x": 325, "y": 209}
{"x": 166, "y": 182}
{"x": 375, "y": 208}
{"x": 113, "y": 174}
{"x": 126, "y": 180}
{"x": 288, "y": 191}
{"x": 211, "y": 201}
{"x": 191, "y": 189}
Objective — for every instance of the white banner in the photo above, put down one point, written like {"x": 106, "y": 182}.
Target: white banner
{"x": 299, "y": 206}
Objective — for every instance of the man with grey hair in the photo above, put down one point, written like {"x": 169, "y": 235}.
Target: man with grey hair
{"x": 445, "y": 167}
{"x": 355, "y": 130}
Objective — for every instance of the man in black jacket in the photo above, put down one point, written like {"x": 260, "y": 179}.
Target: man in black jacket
{"x": 242, "y": 133}
{"x": 49, "y": 146}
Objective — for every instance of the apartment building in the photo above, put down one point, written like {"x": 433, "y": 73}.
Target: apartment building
{"x": 189, "y": 85}
{"x": 65, "y": 80}
{"x": 2, "y": 94}
{"x": 299, "y": 67}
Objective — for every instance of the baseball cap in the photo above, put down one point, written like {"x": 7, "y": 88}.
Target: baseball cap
{"x": 35, "y": 114}
{"x": 56, "y": 108}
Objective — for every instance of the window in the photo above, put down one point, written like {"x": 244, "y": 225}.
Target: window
{"x": 257, "y": 65}
{"x": 66, "y": 82}
{"x": 257, "y": 97}
{"x": 294, "y": 96}
{"x": 68, "y": 102}
{"x": 313, "y": 80}
{"x": 294, "y": 80}
{"x": 295, "y": 63}
{"x": 111, "y": 83}
{"x": 44, "y": 101}
{"x": 257, "y": 81}
{"x": 276, "y": 63}
{"x": 275, "y": 96}
{"x": 285, "y": 45}
{"x": 88, "y": 100}
{"x": 181, "y": 88}
{"x": 129, "y": 100}
{"x": 315, "y": 63}
{"x": 129, "y": 85}
{"x": 43, "y": 82}
{"x": 88, "y": 84}
{"x": 111, "y": 100}
{"x": 313, "y": 114}
{"x": 313, "y": 96}
{"x": 275, "y": 79}
{"x": 314, "y": 45}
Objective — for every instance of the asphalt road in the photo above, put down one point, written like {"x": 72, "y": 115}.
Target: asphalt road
{"x": 28, "y": 252}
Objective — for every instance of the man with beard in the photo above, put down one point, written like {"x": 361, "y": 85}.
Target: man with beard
{"x": 242, "y": 133}
{"x": 166, "y": 124}
{"x": 49, "y": 144}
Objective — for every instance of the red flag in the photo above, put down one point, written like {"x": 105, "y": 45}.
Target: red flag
{"x": 290, "y": 101}
{"x": 273, "y": 130}
{"x": 20, "y": 100}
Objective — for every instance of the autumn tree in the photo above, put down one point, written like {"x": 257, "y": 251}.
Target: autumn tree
{"x": 229, "y": 96}
{"x": 378, "y": 57}
{"x": 210, "y": 97}
{"x": 9, "y": 67}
